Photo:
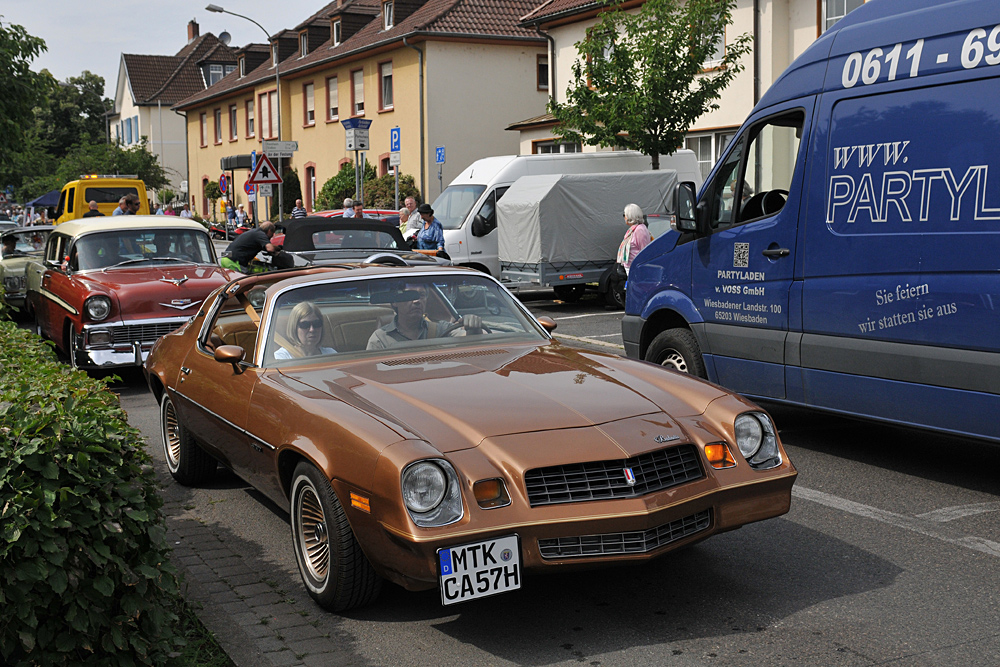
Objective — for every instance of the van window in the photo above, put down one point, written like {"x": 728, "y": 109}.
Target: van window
{"x": 453, "y": 205}
{"x": 107, "y": 195}
{"x": 489, "y": 208}
{"x": 754, "y": 180}
{"x": 69, "y": 200}
{"x": 61, "y": 208}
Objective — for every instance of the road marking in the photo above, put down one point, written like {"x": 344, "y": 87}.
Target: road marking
{"x": 959, "y": 511}
{"x": 913, "y": 524}
{"x": 576, "y": 317}
{"x": 607, "y": 336}
{"x": 581, "y": 339}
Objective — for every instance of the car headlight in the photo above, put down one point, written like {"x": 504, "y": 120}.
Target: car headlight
{"x": 757, "y": 440}
{"x": 431, "y": 493}
{"x": 98, "y": 307}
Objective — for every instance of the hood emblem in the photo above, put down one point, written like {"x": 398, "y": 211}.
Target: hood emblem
{"x": 180, "y": 304}
{"x": 177, "y": 282}
{"x": 666, "y": 438}
{"x": 629, "y": 476}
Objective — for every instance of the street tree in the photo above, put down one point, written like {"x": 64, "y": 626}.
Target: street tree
{"x": 644, "y": 78}
{"x": 213, "y": 193}
{"x": 88, "y": 158}
{"x": 73, "y": 113}
{"x": 22, "y": 88}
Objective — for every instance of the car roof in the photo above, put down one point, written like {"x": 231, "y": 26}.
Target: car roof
{"x": 112, "y": 223}
{"x": 31, "y": 228}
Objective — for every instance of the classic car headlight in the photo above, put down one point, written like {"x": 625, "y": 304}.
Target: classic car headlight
{"x": 13, "y": 283}
{"x": 98, "y": 307}
{"x": 757, "y": 441}
{"x": 431, "y": 493}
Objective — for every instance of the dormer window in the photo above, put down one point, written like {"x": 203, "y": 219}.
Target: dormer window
{"x": 214, "y": 74}
{"x": 243, "y": 67}
{"x": 387, "y": 14}
{"x": 274, "y": 54}
{"x": 336, "y": 32}
{"x": 303, "y": 45}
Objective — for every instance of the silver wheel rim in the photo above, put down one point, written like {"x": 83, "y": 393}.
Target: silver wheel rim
{"x": 171, "y": 436}
{"x": 314, "y": 538}
{"x": 675, "y": 360}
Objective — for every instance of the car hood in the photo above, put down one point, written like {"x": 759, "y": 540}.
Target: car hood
{"x": 160, "y": 291}
{"x": 457, "y": 399}
{"x": 15, "y": 265}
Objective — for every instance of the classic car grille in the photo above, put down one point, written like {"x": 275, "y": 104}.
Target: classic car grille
{"x": 144, "y": 333}
{"x": 635, "y": 542}
{"x": 601, "y": 480}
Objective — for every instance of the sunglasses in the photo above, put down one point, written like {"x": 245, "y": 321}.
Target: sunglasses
{"x": 311, "y": 324}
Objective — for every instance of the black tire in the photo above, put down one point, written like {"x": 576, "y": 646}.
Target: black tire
{"x": 188, "y": 463}
{"x": 570, "y": 293}
{"x": 334, "y": 569}
{"x": 677, "y": 349}
{"x": 615, "y": 296}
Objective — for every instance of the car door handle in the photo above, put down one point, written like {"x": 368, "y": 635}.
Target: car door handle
{"x": 777, "y": 252}
{"x": 185, "y": 370}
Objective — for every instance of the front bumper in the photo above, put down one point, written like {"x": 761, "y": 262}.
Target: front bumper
{"x": 631, "y": 335}
{"x": 117, "y": 344}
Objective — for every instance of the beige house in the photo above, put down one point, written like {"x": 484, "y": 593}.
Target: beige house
{"x": 782, "y": 30}
{"x": 447, "y": 73}
{"x": 149, "y": 85}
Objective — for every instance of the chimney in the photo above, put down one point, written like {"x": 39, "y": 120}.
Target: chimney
{"x": 192, "y": 30}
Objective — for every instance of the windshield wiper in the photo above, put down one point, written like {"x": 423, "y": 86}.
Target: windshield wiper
{"x": 148, "y": 259}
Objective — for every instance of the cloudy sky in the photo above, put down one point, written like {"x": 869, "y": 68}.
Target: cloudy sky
{"x": 92, "y": 34}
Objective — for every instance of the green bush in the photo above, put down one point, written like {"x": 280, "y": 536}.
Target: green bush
{"x": 84, "y": 575}
{"x": 381, "y": 192}
{"x": 340, "y": 186}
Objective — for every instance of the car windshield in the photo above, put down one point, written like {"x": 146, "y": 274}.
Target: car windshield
{"x": 344, "y": 239}
{"x": 453, "y": 205}
{"x": 345, "y": 319}
{"x": 127, "y": 247}
{"x": 19, "y": 244}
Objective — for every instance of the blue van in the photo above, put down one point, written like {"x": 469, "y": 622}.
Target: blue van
{"x": 844, "y": 254}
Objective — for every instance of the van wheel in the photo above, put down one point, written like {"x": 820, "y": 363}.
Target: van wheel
{"x": 188, "y": 463}
{"x": 677, "y": 349}
{"x": 570, "y": 293}
{"x": 335, "y": 571}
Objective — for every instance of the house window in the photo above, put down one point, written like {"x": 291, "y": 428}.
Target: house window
{"x": 272, "y": 99}
{"x": 542, "y": 72}
{"x": 303, "y": 45}
{"x": 384, "y": 167}
{"x": 387, "y": 14}
{"x": 243, "y": 67}
{"x": 358, "y": 92}
{"x": 310, "y": 188}
{"x": 332, "y": 109}
{"x": 708, "y": 148}
{"x": 834, "y": 10}
{"x": 230, "y": 69}
{"x": 214, "y": 74}
{"x": 204, "y": 129}
{"x": 250, "y": 128}
{"x": 385, "y": 89}
{"x": 128, "y": 131}
{"x": 232, "y": 122}
{"x": 718, "y": 54}
{"x": 268, "y": 109}
{"x": 336, "y": 32}
{"x": 555, "y": 146}
{"x": 309, "y": 104}
{"x": 218, "y": 126}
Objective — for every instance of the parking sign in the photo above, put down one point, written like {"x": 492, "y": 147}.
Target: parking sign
{"x": 394, "y": 140}
{"x": 439, "y": 153}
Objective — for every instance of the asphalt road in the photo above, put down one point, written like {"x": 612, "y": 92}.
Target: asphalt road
{"x": 889, "y": 555}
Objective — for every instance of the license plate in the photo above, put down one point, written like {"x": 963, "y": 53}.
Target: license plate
{"x": 479, "y": 569}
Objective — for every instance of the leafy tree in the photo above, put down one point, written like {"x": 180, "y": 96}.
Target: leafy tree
{"x": 341, "y": 186}
{"x": 73, "y": 113}
{"x": 213, "y": 193}
{"x": 291, "y": 188}
{"x": 381, "y": 192}
{"x": 22, "y": 88}
{"x": 88, "y": 158}
{"x": 166, "y": 195}
{"x": 641, "y": 79}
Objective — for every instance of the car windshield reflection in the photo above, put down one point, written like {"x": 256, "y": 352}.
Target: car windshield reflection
{"x": 138, "y": 247}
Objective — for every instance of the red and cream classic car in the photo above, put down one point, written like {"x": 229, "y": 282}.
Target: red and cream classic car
{"x": 107, "y": 288}
{"x": 422, "y": 427}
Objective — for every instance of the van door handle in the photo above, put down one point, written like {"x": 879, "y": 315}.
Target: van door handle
{"x": 777, "y": 252}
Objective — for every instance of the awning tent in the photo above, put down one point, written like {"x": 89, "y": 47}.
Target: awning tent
{"x": 46, "y": 200}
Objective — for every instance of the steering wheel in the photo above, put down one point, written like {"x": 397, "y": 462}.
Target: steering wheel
{"x": 773, "y": 201}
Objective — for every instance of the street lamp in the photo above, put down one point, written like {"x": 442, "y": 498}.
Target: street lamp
{"x": 277, "y": 85}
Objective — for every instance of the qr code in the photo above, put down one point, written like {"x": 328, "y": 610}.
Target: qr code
{"x": 741, "y": 255}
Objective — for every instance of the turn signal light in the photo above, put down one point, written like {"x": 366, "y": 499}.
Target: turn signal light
{"x": 360, "y": 502}
{"x": 491, "y": 493}
{"x": 718, "y": 455}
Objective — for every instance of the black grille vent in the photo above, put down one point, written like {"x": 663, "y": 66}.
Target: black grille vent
{"x": 603, "y": 480}
{"x": 144, "y": 333}
{"x": 617, "y": 544}
{"x": 433, "y": 358}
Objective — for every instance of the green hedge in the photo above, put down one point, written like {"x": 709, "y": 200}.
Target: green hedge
{"x": 84, "y": 575}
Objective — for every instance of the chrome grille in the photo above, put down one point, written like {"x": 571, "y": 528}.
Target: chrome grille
{"x": 144, "y": 333}
{"x": 603, "y": 480}
{"x": 617, "y": 544}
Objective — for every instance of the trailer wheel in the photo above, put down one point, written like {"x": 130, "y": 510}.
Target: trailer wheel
{"x": 570, "y": 293}
{"x": 677, "y": 349}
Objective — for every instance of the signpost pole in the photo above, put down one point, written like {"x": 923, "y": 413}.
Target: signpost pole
{"x": 361, "y": 181}
{"x": 253, "y": 163}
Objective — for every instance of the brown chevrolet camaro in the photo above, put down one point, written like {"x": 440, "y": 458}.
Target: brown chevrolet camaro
{"x": 423, "y": 427}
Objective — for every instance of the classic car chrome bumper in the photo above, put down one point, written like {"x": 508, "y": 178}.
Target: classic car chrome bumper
{"x": 110, "y": 344}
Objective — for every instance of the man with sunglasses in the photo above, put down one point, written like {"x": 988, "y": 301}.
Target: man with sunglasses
{"x": 127, "y": 205}
{"x": 411, "y": 322}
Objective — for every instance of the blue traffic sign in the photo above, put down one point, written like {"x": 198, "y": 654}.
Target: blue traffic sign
{"x": 253, "y": 160}
{"x": 356, "y": 123}
{"x": 439, "y": 153}
{"x": 394, "y": 140}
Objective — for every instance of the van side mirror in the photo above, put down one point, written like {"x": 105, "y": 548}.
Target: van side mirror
{"x": 481, "y": 226}
{"x": 684, "y": 207}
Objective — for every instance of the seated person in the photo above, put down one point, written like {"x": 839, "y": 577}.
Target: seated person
{"x": 9, "y": 245}
{"x": 411, "y": 323}
{"x": 305, "y": 330}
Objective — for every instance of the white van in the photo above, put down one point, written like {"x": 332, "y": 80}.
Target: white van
{"x": 472, "y": 196}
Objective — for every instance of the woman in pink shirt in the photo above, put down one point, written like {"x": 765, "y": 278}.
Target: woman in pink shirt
{"x": 636, "y": 237}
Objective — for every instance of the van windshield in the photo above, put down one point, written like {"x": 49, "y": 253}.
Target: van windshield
{"x": 453, "y": 205}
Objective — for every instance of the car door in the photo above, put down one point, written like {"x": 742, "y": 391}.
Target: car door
{"x": 50, "y": 308}
{"x": 742, "y": 271}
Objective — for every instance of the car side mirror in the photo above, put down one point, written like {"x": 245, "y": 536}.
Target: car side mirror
{"x": 230, "y": 354}
{"x": 480, "y": 226}
{"x": 547, "y": 323}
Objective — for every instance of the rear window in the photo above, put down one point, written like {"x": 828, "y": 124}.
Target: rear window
{"x": 107, "y": 195}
